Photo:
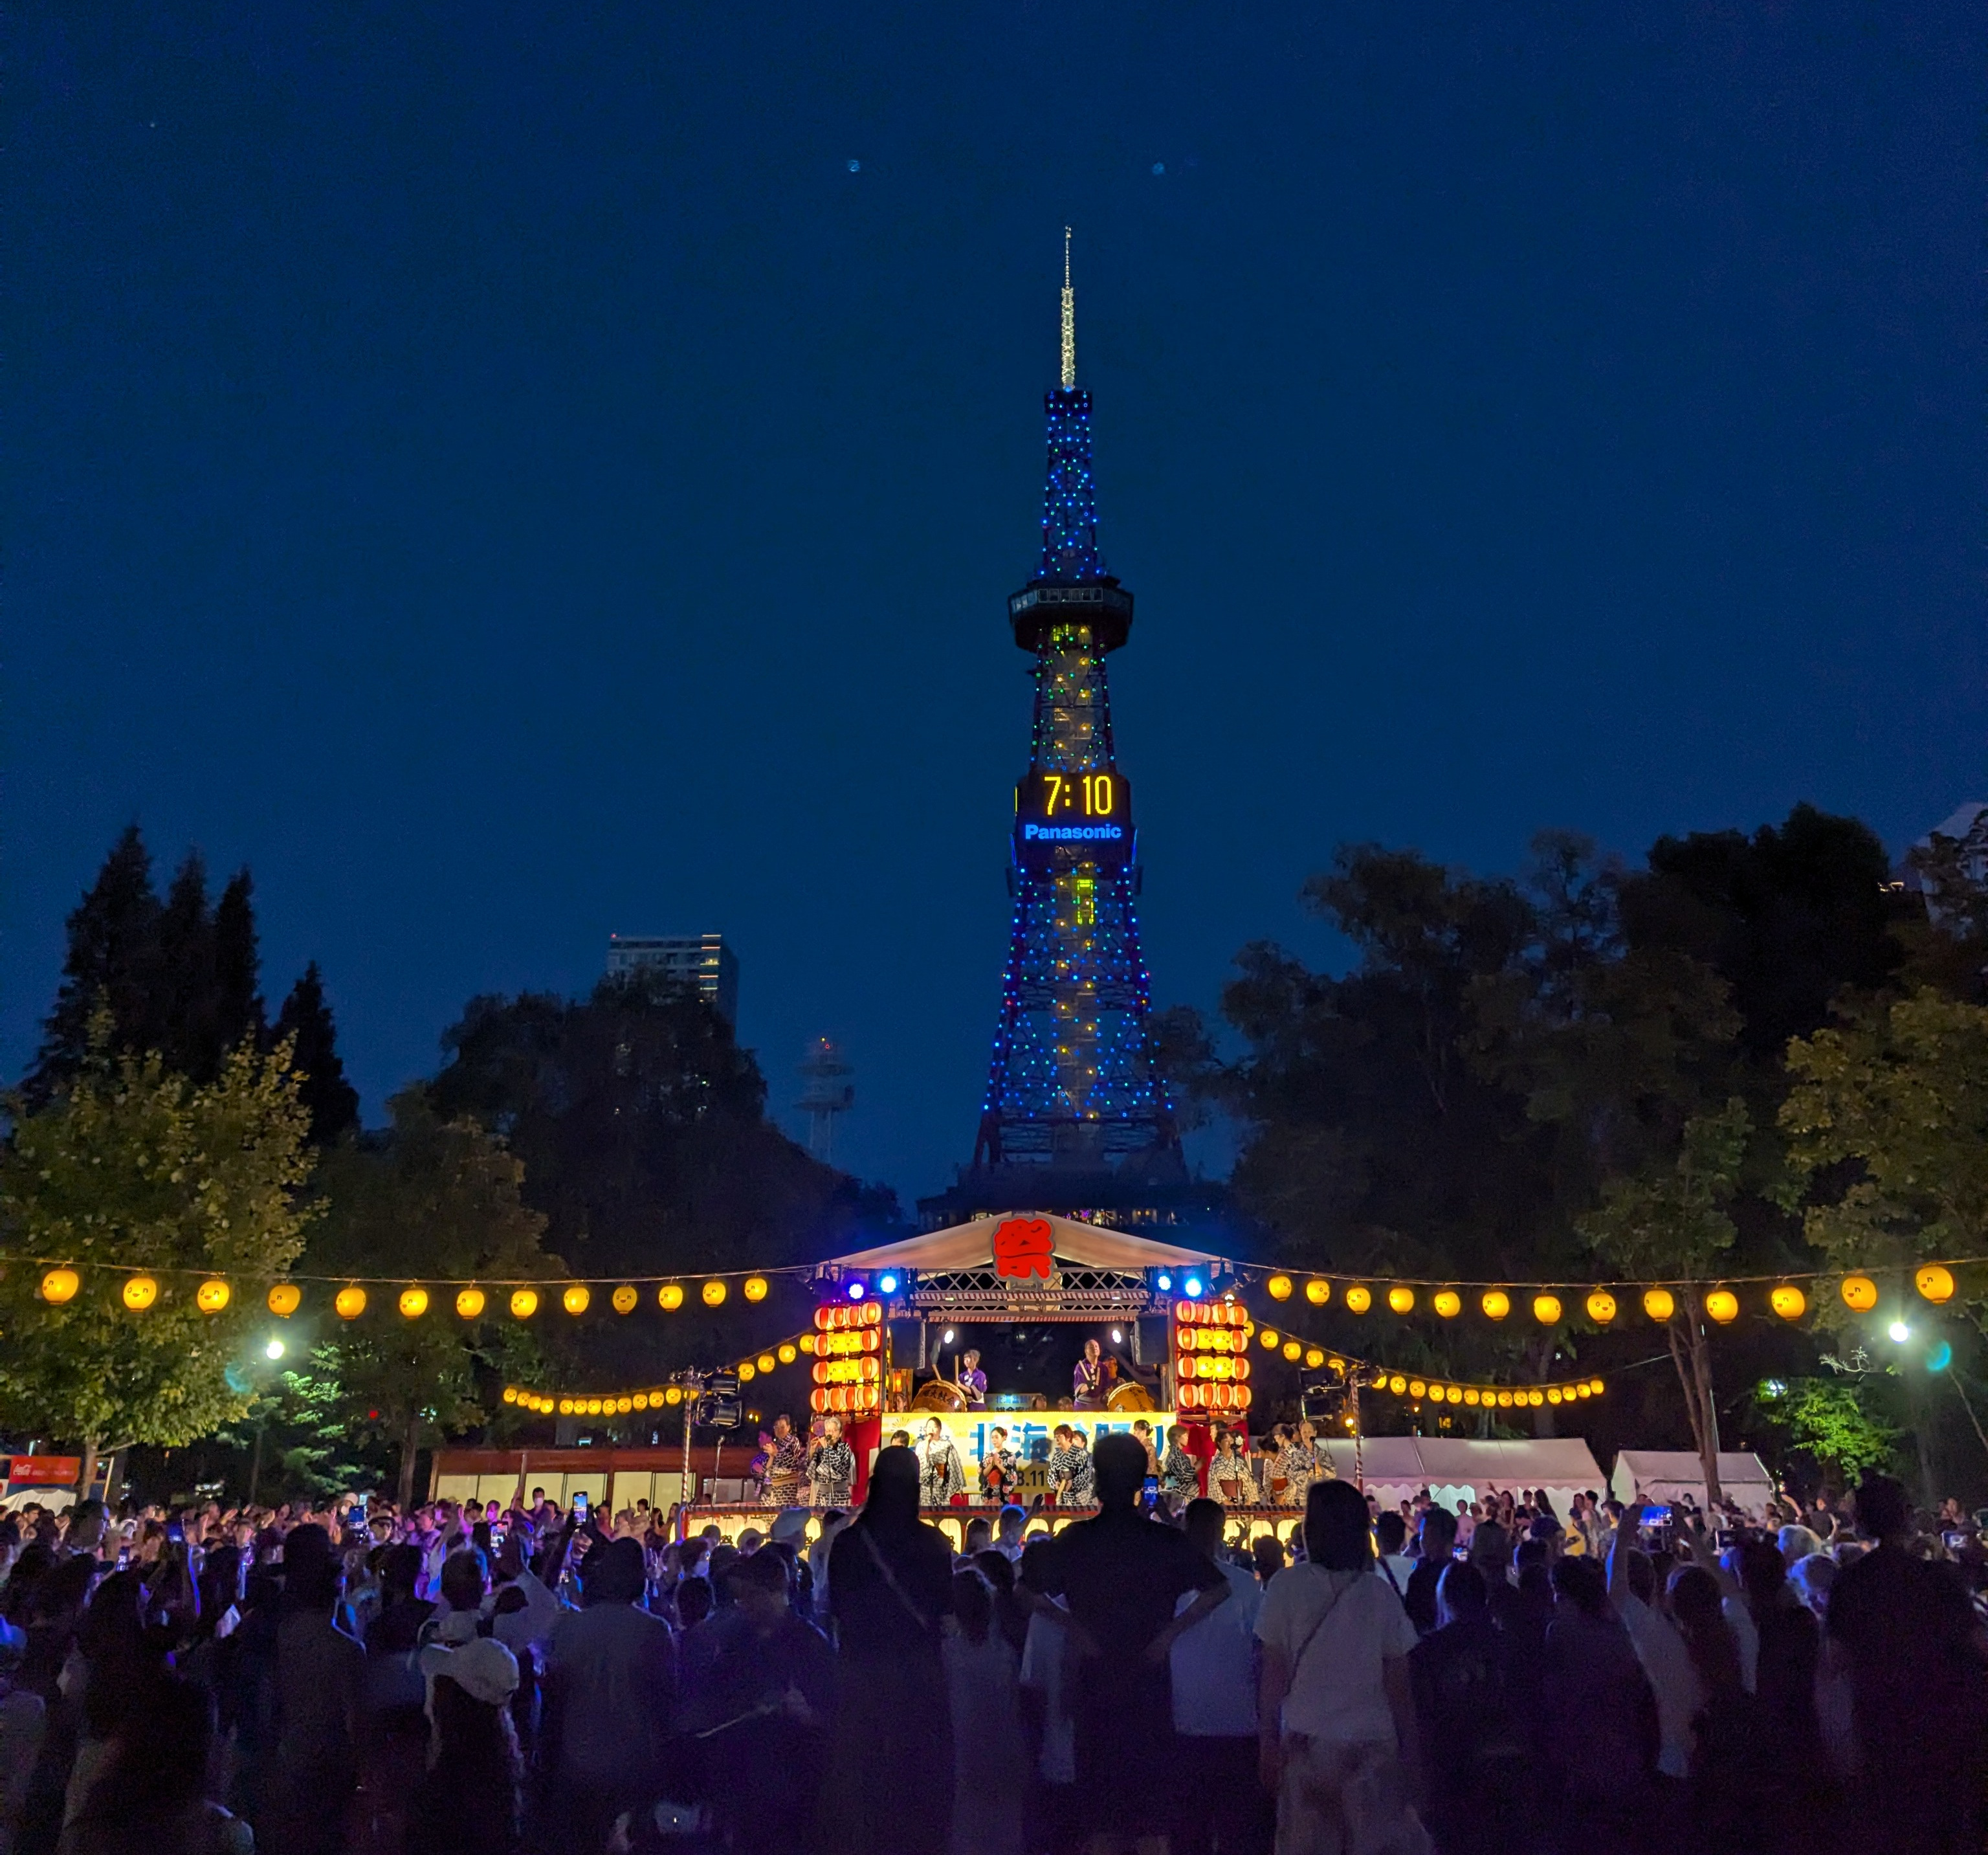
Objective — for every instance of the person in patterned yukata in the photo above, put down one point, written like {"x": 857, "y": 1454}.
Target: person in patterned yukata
{"x": 997, "y": 1466}
{"x": 785, "y": 1464}
{"x": 940, "y": 1475}
{"x": 1180, "y": 1473}
{"x": 831, "y": 1467}
{"x": 1070, "y": 1468}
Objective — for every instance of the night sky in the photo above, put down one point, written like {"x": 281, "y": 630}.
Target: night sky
{"x": 511, "y": 474}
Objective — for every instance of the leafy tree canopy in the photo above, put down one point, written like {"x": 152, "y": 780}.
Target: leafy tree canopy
{"x": 641, "y": 1127}
{"x": 1888, "y": 1129}
{"x": 429, "y": 1200}
{"x": 136, "y": 1168}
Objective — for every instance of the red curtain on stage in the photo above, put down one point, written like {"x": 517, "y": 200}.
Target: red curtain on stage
{"x": 864, "y": 1435}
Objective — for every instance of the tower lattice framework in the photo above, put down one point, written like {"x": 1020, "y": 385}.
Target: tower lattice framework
{"x": 1073, "y": 1081}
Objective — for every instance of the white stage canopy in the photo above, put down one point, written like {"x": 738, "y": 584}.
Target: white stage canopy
{"x": 1454, "y": 1469}
{"x": 1655, "y": 1476}
{"x": 971, "y": 1246}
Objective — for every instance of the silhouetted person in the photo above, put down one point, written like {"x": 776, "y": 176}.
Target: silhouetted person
{"x": 1916, "y": 1687}
{"x": 1121, "y": 1574}
{"x": 1474, "y": 1751}
{"x": 608, "y": 1693}
{"x": 890, "y": 1585}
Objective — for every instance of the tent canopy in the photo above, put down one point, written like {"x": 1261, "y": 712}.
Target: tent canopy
{"x": 1463, "y": 1468}
{"x": 1658, "y": 1475}
{"x": 971, "y": 1246}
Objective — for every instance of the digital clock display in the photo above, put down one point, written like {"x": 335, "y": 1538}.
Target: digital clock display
{"x": 1088, "y": 815}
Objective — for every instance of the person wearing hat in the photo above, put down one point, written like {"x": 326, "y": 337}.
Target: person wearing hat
{"x": 470, "y": 1794}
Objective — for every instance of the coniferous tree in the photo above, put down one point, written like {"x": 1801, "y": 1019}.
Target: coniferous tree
{"x": 236, "y": 1009}
{"x": 176, "y": 1020}
{"x": 113, "y": 962}
{"x": 332, "y": 1101}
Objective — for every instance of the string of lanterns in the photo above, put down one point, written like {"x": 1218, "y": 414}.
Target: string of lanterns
{"x": 658, "y": 1397}
{"x": 141, "y": 1290}
{"x": 1420, "y": 1384}
{"x": 1935, "y": 1281}
{"x": 142, "y": 1287}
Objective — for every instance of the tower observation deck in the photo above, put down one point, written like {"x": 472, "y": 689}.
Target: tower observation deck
{"x": 1075, "y": 1116}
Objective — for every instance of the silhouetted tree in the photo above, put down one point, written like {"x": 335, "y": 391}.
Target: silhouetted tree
{"x": 306, "y": 1019}
{"x": 1789, "y": 918}
{"x": 112, "y": 962}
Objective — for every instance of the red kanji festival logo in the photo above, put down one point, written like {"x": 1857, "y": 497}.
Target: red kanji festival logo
{"x": 1024, "y": 1248}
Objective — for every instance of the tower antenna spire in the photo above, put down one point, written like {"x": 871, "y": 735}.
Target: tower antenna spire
{"x": 1068, "y": 320}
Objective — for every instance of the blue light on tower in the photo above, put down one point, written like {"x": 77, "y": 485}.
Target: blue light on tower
{"x": 856, "y": 1290}
{"x": 1193, "y": 1286}
{"x": 887, "y": 1284}
{"x": 1164, "y": 1284}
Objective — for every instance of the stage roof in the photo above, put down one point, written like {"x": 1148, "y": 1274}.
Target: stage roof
{"x": 971, "y": 1246}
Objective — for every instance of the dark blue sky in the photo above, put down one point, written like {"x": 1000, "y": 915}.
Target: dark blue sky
{"x": 499, "y": 473}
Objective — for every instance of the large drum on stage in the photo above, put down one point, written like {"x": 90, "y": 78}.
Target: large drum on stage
{"x": 938, "y": 1394}
{"x": 1128, "y": 1396}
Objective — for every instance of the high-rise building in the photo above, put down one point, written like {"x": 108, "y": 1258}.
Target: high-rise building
{"x": 702, "y": 962}
{"x": 1076, "y": 1117}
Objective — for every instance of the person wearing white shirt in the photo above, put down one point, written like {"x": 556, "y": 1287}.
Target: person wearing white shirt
{"x": 1336, "y": 1720}
{"x": 1667, "y": 1662}
{"x": 1044, "y": 1653}
{"x": 1214, "y": 1667}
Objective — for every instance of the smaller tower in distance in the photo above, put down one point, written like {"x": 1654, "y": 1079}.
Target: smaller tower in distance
{"x": 826, "y": 1092}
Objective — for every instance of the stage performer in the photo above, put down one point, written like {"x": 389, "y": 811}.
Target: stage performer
{"x": 1071, "y": 1474}
{"x": 1180, "y": 1473}
{"x": 997, "y": 1466}
{"x": 1087, "y": 1381}
{"x": 1228, "y": 1477}
{"x": 972, "y": 1380}
{"x": 785, "y": 1464}
{"x": 831, "y": 1467}
{"x": 940, "y": 1475}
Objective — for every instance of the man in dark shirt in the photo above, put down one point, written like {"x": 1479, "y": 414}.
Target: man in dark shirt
{"x": 1475, "y": 1751}
{"x": 1121, "y": 1574}
{"x": 761, "y": 1710}
{"x": 1917, "y": 1693}
{"x": 1438, "y": 1542}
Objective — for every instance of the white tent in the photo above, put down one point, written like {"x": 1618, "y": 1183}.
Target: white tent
{"x": 1656, "y": 1476}
{"x": 971, "y": 1246}
{"x": 1454, "y": 1469}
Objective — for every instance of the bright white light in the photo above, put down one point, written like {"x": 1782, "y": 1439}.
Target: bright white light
{"x": 274, "y": 1350}
{"x": 1166, "y": 1283}
{"x": 1899, "y": 1332}
{"x": 947, "y": 1340}
{"x": 1193, "y": 1284}
{"x": 1117, "y": 1337}
{"x": 856, "y": 1290}
{"x": 887, "y": 1285}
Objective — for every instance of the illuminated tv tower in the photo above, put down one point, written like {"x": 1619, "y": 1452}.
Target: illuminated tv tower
{"x": 1072, "y": 1090}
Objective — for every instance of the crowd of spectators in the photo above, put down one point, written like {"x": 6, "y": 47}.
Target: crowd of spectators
{"x": 350, "y": 1678}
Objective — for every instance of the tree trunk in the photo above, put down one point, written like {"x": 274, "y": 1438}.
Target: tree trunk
{"x": 255, "y": 1463}
{"x": 89, "y": 1460}
{"x": 410, "y": 1446}
{"x": 1690, "y": 1352}
{"x": 1542, "y": 1351}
